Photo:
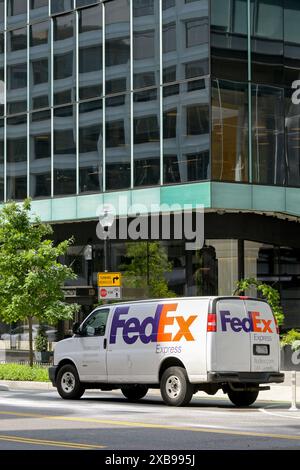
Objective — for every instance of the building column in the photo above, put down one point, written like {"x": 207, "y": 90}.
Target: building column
{"x": 227, "y": 256}
{"x": 251, "y": 256}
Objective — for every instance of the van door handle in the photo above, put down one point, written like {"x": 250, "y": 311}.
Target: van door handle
{"x": 104, "y": 343}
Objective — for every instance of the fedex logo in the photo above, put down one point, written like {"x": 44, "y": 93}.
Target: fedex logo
{"x": 151, "y": 329}
{"x": 252, "y": 323}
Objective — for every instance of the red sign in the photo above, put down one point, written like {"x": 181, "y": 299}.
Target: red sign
{"x": 103, "y": 292}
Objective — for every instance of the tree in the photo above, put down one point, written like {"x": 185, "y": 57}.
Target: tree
{"x": 268, "y": 292}
{"x": 147, "y": 267}
{"x": 31, "y": 276}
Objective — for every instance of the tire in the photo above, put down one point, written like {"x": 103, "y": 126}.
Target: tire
{"x": 175, "y": 388}
{"x": 242, "y": 398}
{"x": 134, "y": 392}
{"x": 68, "y": 384}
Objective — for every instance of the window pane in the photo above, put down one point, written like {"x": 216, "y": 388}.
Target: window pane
{"x": 267, "y": 41}
{"x": 186, "y": 135}
{"x": 268, "y": 135}
{"x": 17, "y": 157}
{"x": 185, "y": 38}
{"x": 39, "y": 9}
{"x": 1, "y": 159}
{"x": 292, "y": 41}
{"x": 146, "y": 43}
{"x": 229, "y": 39}
{"x": 1, "y": 14}
{"x": 229, "y": 131}
{"x": 292, "y": 119}
{"x": 117, "y": 42}
{"x": 59, "y": 6}
{"x": 90, "y": 52}
{"x": 64, "y": 150}
{"x": 40, "y": 65}
{"x": 2, "y": 84}
{"x": 64, "y": 59}
{"x": 146, "y": 138}
{"x": 40, "y": 154}
{"x": 17, "y": 71}
{"x": 90, "y": 147}
{"x": 117, "y": 121}
{"x": 16, "y": 11}
{"x": 82, "y": 3}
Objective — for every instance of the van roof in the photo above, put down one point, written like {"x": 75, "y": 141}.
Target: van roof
{"x": 175, "y": 299}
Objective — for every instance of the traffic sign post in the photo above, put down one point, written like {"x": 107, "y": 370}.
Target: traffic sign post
{"x": 109, "y": 293}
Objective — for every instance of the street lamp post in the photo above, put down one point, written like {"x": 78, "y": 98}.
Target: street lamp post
{"x": 106, "y": 220}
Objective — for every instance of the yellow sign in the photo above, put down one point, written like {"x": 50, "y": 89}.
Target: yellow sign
{"x": 109, "y": 280}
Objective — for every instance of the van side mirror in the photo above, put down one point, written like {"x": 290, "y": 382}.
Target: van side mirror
{"x": 76, "y": 328}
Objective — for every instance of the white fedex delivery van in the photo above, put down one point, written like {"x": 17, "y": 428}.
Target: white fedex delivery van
{"x": 181, "y": 345}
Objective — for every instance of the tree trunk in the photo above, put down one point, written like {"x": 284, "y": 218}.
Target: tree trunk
{"x": 30, "y": 342}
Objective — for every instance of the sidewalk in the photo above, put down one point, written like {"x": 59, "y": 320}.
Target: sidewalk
{"x": 278, "y": 392}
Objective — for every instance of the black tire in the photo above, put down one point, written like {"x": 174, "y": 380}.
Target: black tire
{"x": 175, "y": 388}
{"x": 242, "y": 398}
{"x": 68, "y": 384}
{"x": 134, "y": 392}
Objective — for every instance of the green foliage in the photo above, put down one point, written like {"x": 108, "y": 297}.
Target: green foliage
{"x": 23, "y": 372}
{"x": 41, "y": 340}
{"x": 147, "y": 267}
{"x": 268, "y": 292}
{"x": 292, "y": 337}
{"x": 31, "y": 276}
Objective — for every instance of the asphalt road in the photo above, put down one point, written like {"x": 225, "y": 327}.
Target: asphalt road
{"x": 31, "y": 420}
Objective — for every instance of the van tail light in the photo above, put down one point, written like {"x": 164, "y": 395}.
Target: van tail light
{"x": 212, "y": 322}
{"x": 276, "y": 324}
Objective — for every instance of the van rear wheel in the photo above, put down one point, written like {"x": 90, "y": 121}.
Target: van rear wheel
{"x": 68, "y": 383}
{"x": 175, "y": 388}
{"x": 243, "y": 397}
{"x": 134, "y": 392}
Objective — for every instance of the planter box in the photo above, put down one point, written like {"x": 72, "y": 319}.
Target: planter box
{"x": 43, "y": 356}
{"x": 290, "y": 360}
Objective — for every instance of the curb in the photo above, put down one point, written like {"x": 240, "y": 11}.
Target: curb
{"x": 22, "y": 385}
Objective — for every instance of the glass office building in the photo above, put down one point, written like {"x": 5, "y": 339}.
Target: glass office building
{"x": 166, "y": 101}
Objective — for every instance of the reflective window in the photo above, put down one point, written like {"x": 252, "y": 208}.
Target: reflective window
{"x": 267, "y": 41}
{"x": 146, "y": 138}
{"x": 90, "y": 52}
{"x": 146, "y": 42}
{"x": 186, "y": 135}
{"x": 64, "y": 59}
{"x": 40, "y": 154}
{"x": 1, "y": 14}
{"x": 82, "y": 3}
{"x": 59, "y": 6}
{"x": 117, "y": 48}
{"x": 268, "y": 135}
{"x": 39, "y": 8}
{"x": 16, "y": 149}
{"x": 2, "y": 84}
{"x": 1, "y": 159}
{"x": 185, "y": 38}
{"x": 16, "y": 11}
{"x": 117, "y": 122}
{"x": 40, "y": 65}
{"x": 64, "y": 150}
{"x": 17, "y": 71}
{"x": 291, "y": 41}
{"x": 229, "y": 41}
{"x": 229, "y": 131}
{"x": 91, "y": 147}
{"x": 292, "y": 120}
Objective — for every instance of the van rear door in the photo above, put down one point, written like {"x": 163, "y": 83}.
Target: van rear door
{"x": 265, "y": 348}
{"x": 230, "y": 343}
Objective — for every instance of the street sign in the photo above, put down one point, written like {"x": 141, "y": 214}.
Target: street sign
{"x": 109, "y": 280}
{"x": 109, "y": 293}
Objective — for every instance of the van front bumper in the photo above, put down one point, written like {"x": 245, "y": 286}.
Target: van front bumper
{"x": 246, "y": 377}
{"x": 52, "y": 375}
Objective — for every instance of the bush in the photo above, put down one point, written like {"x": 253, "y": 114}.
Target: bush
{"x": 292, "y": 337}
{"x": 23, "y": 372}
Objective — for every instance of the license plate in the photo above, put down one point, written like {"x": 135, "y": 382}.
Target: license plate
{"x": 261, "y": 349}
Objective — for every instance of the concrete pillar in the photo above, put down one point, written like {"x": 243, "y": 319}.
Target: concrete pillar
{"x": 227, "y": 256}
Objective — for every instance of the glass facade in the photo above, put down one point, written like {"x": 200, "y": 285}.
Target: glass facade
{"x": 111, "y": 95}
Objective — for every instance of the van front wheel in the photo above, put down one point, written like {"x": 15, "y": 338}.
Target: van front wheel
{"x": 175, "y": 388}
{"x": 242, "y": 398}
{"x": 134, "y": 392}
{"x": 68, "y": 383}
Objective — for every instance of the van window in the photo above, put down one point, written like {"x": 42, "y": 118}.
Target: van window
{"x": 96, "y": 323}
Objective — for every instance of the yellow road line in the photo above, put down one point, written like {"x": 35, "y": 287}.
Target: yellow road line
{"x": 29, "y": 440}
{"x": 133, "y": 424}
